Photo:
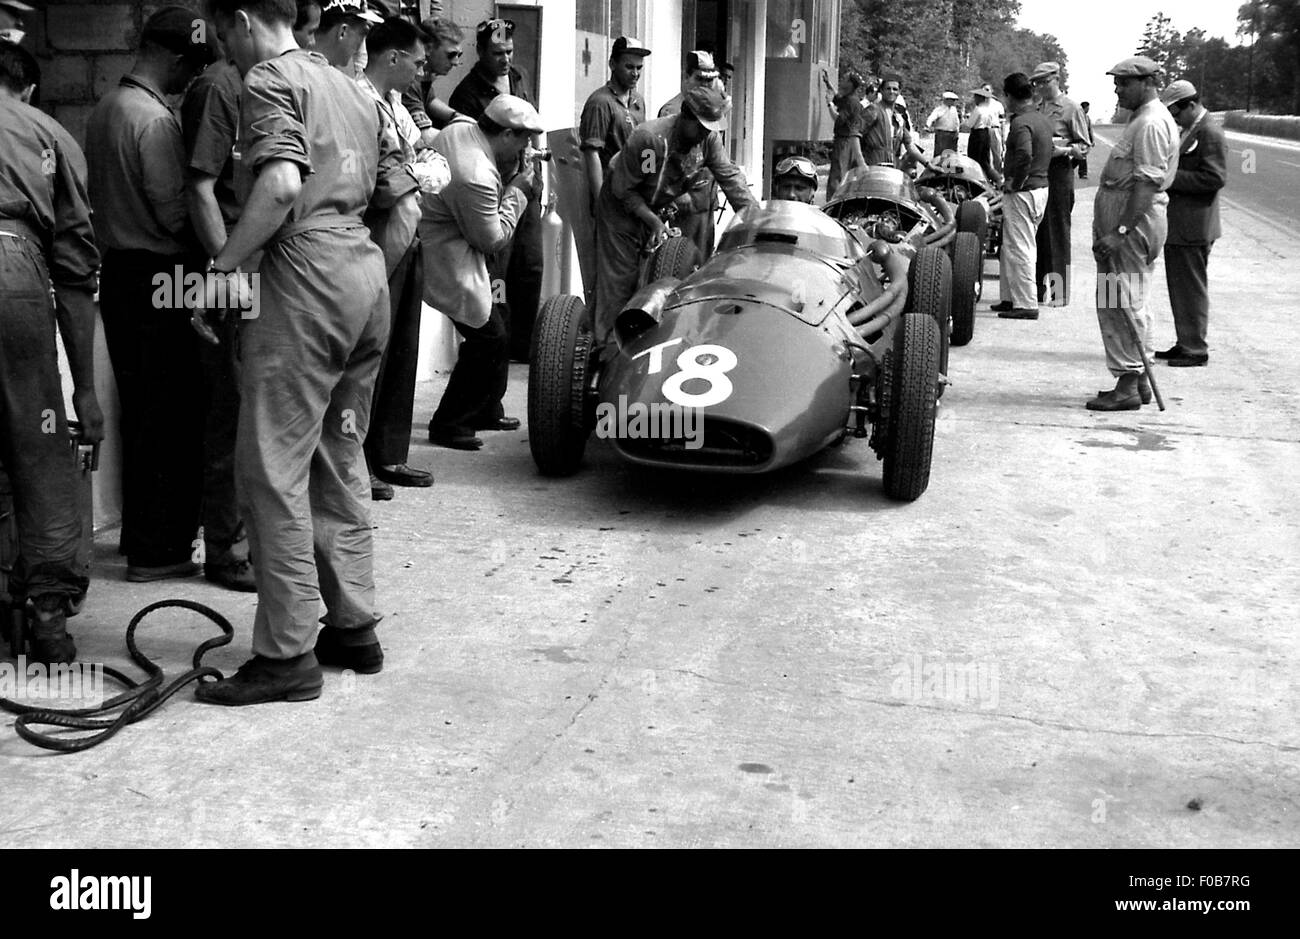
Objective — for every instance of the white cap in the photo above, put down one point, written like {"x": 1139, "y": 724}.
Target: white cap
{"x": 515, "y": 113}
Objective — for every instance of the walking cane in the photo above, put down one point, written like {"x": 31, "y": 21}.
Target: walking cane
{"x": 1146, "y": 362}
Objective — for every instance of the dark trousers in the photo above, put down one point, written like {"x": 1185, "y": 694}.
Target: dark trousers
{"x": 1054, "y": 233}
{"x": 478, "y": 382}
{"x": 979, "y": 147}
{"x": 1189, "y": 294}
{"x": 155, "y": 356}
{"x": 520, "y": 267}
{"x": 389, "y": 439}
{"x": 945, "y": 140}
{"x": 34, "y": 447}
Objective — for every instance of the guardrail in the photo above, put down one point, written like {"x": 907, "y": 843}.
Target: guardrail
{"x": 1266, "y": 125}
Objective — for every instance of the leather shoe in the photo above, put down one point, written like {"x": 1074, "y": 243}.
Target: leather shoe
{"x": 52, "y": 650}
{"x": 1186, "y": 360}
{"x": 501, "y": 423}
{"x": 1172, "y": 352}
{"x": 456, "y": 441}
{"x": 261, "y": 680}
{"x": 1002, "y": 306}
{"x": 1110, "y": 401}
{"x": 236, "y": 575}
{"x": 1144, "y": 391}
{"x": 332, "y": 650}
{"x": 1018, "y": 313}
{"x": 143, "y": 575}
{"x": 399, "y": 474}
{"x": 380, "y": 491}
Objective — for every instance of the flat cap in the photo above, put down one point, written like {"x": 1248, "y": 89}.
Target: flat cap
{"x": 515, "y": 113}
{"x": 951, "y": 96}
{"x": 181, "y": 30}
{"x": 1046, "y": 70}
{"x": 623, "y": 46}
{"x": 356, "y": 8}
{"x": 1135, "y": 66}
{"x": 1177, "y": 91}
{"x": 708, "y": 105}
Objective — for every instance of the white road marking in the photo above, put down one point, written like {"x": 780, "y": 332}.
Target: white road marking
{"x": 1289, "y": 163}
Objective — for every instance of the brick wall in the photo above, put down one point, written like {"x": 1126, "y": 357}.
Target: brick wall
{"x": 83, "y": 48}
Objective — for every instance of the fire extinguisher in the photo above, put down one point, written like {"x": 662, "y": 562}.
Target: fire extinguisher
{"x": 554, "y": 244}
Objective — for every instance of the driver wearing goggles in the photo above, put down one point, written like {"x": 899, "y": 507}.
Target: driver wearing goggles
{"x": 795, "y": 180}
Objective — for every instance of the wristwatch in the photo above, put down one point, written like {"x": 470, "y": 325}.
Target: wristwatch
{"x": 1123, "y": 231}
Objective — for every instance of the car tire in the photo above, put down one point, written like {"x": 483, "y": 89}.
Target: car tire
{"x": 914, "y": 381}
{"x": 929, "y": 291}
{"x": 559, "y": 412}
{"x": 966, "y": 263}
{"x": 972, "y": 217}
{"x": 677, "y": 257}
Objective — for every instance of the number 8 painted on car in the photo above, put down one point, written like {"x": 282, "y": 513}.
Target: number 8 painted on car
{"x": 720, "y": 360}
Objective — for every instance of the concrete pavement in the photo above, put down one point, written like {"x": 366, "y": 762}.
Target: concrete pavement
{"x": 1082, "y": 635}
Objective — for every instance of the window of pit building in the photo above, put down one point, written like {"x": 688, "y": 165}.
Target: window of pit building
{"x": 599, "y": 23}
{"x": 789, "y": 29}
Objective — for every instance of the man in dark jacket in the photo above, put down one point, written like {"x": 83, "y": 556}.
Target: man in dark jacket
{"x": 1193, "y": 222}
{"x": 1025, "y": 168}
{"x": 520, "y": 265}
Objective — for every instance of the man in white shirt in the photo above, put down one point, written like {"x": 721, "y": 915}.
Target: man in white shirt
{"x": 945, "y": 122}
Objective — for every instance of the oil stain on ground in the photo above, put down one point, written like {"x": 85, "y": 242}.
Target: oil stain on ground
{"x": 1139, "y": 440}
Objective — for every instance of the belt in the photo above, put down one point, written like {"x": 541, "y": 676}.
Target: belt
{"x": 18, "y": 228}
{"x": 315, "y": 223}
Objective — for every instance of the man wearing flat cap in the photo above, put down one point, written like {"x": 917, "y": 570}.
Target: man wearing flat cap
{"x": 519, "y": 264}
{"x": 1193, "y": 222}
{"x": 945, "y": 122}
{"x": 1071, "y": 140}
{"x": 984, "y": 145}
{"x": 650, "y": 180}
{"x": 136, "y": 155}
{"x": 465, "y": 225}
{"x": 611, "y": 113}
{"x": 1129, "y": 229}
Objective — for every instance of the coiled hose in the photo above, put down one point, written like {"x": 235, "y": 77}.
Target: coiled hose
{"x": 138, "y": 701}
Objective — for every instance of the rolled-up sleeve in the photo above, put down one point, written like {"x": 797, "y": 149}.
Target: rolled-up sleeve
{"x": 162, "y": 170}
{"x": 1154, "y": 148}
{"x": 730, "y": 177}
{"x": 593, "y": 128}
{"x": 413, "y": 101}
{"x": 74, "y": 259}
{"x": 210, "y": 122}
{"x": 274, "y": 121}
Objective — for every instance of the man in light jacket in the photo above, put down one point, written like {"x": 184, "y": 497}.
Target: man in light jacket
{"x": 471, "y": 219}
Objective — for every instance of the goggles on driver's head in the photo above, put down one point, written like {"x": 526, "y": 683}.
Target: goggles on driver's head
{"x": 796, "y": 166}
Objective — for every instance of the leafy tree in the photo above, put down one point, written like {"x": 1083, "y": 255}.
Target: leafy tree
{"x": 1162, "y": 43}
{"x": 1276, "y": 24}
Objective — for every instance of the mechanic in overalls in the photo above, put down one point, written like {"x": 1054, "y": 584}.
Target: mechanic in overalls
{"x": 697, "y": 223}
{"x": 45, "y": 238}
{"x": 1129, "y": 228}
{"x": 648, "y": 183}
{"x": 312, "y": 144}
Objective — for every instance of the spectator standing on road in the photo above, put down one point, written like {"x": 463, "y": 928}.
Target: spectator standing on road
{"x": 652, "y": 175}
{"x": 431, "y": 114}
{"x": 945, "y": 122}
{"x": 1129, "y": 229}
{"x": 846, "y": 151}
{"x": 1029, "y": 151}
{"x": 137, "y": 189}
{"x": 45, "y": 239}
{"x": 210, "y": 125}
{"x": 984, "y": 143}
{"x": 1070, "y": 136}
{"x": 999, "y": 125}
{"x": 466, "y": 225}
{"x": 313, "y": 159}
{"x": 519, "y": 264}
{"x": 1193, "y": 222}
{"x": 611, "y": 113}
{"x": 395, "y": 56}
{"x": 1082, "y": 161}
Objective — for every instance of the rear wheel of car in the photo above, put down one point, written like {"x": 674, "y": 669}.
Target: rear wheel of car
{"x": 972, "y": 217}
{"x": 966, "y": 264}
{"x": 929, "y": 291}
{"x": 914, "y": 377}
{"x": 677, "y": 257}
{"x": 559, "y": 372}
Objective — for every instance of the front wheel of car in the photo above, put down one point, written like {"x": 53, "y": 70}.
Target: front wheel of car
{"x": 929, "y": 291}
{"x": 914, "y": 378}
{"x": 558, "y": 378}
{"x": 966, "y": 264}
{"x": 972, "y": 217}
{"x": 677, "y": 257}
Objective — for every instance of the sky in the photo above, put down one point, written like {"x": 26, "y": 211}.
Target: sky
{"x": 1098, "y": 33}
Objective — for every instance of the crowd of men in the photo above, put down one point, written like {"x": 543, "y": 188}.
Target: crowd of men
{"x": 262, "y": 255}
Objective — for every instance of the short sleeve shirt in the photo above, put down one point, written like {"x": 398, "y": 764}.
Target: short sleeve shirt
{"x": 210, "y": 124}
{"x": 607, "y": 123}
{"x": 1147, "y": 150}
{"x": 850, "y": 117}
{"x": 1068, "y": 120}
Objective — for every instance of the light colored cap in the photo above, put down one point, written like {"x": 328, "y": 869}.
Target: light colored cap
{"x": 981, "y": 93}
{"x": 1135, "y": 66}
{"x": 515, "y": 113}
{"x": 15, "y": 5}
{"x": 951, "y": 96}
{"x": 1177, "y": 91}
{"x": 708, "y": 105}
{"x": 1046, "y": 70}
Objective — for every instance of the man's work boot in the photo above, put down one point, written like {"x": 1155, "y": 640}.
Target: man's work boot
{"x": 357, "y": 649}
{"x": 235, "y": 574}
{"x": 51, "y": 644}
{"x": 261, "y": 680}
{"x": 140, "y": 574}
{"x": 1124, "y": 397}
{"x": 1144, "y": 390}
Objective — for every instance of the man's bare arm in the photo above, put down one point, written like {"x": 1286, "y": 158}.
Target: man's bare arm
{"x": 274, "y": 193}
{"x": 76, "y": 315}
{"x": 205, "y": 214}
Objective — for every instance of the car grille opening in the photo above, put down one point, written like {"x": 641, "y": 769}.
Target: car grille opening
{"x": 726, "y": 444}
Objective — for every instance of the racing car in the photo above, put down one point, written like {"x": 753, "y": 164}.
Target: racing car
{"x": 881, "y": 202}
{"x": 793, "y": 336}
{"x": 963, "y": 183}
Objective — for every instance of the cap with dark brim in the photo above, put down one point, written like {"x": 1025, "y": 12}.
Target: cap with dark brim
{"x": 623, "y": 46}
